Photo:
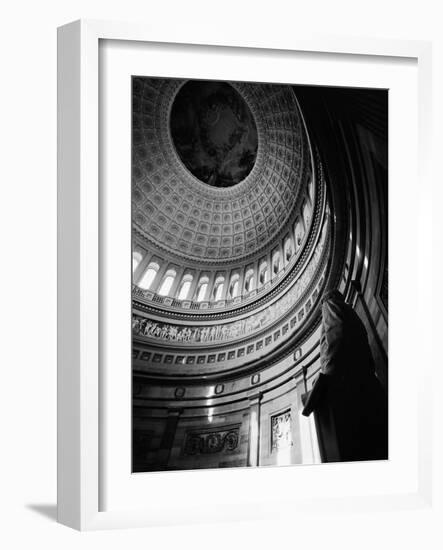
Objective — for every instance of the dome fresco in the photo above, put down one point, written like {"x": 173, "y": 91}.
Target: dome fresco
{"x": 214, "y": 132}
{"x": 204, "y": 220}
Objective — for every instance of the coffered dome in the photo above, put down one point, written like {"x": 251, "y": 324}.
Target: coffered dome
{"x": 251, "y": 170}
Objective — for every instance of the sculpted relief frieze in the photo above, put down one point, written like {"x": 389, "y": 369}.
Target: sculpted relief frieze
{"x": 142, "y": 326}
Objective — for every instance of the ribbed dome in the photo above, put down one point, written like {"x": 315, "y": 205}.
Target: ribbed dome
{"x": 178, "y": 212}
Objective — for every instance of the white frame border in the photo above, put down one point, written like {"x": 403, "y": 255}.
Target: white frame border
{"x": 78, "y": 259}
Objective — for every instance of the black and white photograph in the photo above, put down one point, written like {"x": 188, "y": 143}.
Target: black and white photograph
{"x": 259, "y": 274}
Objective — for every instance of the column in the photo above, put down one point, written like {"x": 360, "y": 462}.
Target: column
{"x": 281, "y": 249}
{"x": 241, "y": 281}
{"x": 167, "y": 441}
{"x": 226, "y": 285}
{"x": 294, "y": 244}
{"x": 256, "y": 274}
{"x": 254, "y": 430}
{"x": 159, "y": 277}
{"x": 196, "y": 278}
{"x": 210, "y": 288}
{"x": 269, "y": 262}
{"x": 178, "y": 278}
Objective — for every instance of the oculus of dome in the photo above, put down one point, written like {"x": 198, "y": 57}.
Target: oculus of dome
{"x": 214, "y": 132}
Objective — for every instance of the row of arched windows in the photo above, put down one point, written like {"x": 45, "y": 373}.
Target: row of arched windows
{"x": 184, "y": 288}
{"x": 200, "y": 293}
{"x": 253, "y": 278}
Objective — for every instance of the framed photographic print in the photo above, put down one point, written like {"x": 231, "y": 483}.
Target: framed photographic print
{"x": 231, "y": 264}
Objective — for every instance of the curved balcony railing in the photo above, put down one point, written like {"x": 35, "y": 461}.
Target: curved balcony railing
{"x": 204, "y": 305}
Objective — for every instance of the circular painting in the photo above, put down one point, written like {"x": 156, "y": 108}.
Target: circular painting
{"x": 214, "y": 132}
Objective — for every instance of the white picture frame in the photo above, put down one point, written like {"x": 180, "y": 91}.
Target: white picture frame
{"x": 80, "y": 207}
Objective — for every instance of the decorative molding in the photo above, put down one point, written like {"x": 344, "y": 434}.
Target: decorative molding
{"x": 223, "y": 439}
{"x": 196, "y": 335}
{"x": 151, "y": 302}
{"x": 179, "y": 392}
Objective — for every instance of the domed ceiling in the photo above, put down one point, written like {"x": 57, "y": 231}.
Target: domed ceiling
{"x": 217, "y": 167}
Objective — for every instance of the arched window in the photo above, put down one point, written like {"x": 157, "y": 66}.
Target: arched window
{"x": 299, "y": 232}
{"x": 263, "y": 273}
{"x": 149, "y": 276}
{"x": 218, "y": 288}
{"x": 185, "y": 287}
{"x": 306, "y": 214}
{"x": 202, "y": 288}
{"x": 234, "y": 286}
{"x": 168, "y": 280}
{"x": 249, "y": 280}
{"x": 288, "y": 249}
{"x": 275, "y": 263}
{"x": 137, "y": 257}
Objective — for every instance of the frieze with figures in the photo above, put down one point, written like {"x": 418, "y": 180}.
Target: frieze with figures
{"x": 238, "y": 329}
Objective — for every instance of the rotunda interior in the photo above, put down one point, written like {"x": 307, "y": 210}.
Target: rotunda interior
{"x": 250, "y": 202}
